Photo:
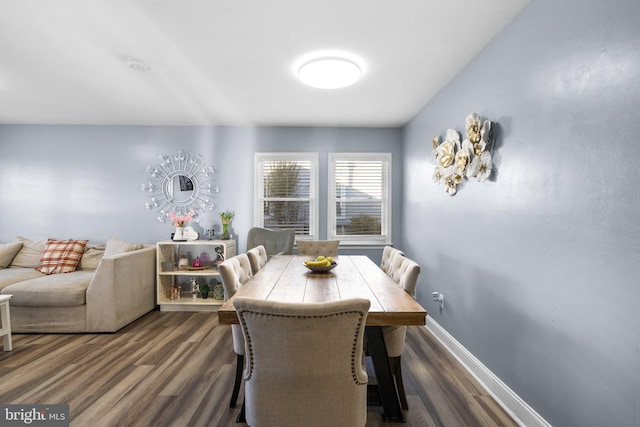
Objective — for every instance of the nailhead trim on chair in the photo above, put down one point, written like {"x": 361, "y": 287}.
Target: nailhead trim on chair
{"x": 353, "y": 350}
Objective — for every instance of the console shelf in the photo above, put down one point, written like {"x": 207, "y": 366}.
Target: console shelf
{"x": 169, "y": 274}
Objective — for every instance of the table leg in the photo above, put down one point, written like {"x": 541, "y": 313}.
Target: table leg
{"x": 241, "y": 415}
{"x": 386, "y": 384}
{"x": 5, "y": 320}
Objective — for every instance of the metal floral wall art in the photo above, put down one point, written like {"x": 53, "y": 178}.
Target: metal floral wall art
{"x": 180, "y": 184}
{"x": 454, "y": 160}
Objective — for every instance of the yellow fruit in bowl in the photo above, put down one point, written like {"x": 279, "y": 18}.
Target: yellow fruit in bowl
{"x": 330, "y": 260}
{"x": 320, "y": 258}
{"x": 316, "y": 263}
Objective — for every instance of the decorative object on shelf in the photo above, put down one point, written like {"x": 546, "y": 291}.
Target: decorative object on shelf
{"x": 225, "y": 218}
{"x": 205, "y": 258}
{"x": 178, "y": 222}
{"x": 195, "y": 288}
{"x": 183, "y": 261}
{"x": 189, "y": 234}
{"x": 218, "y": 291}
{"x": 177, "y": 236}
{"x": 175, "y": 291}
{"x": 204, "y": 290}
{"x": 219, "y": 255}
{"x": 454, "y": 160}
{"x": 197, "y": 263}
{"x": 180, "y": 183}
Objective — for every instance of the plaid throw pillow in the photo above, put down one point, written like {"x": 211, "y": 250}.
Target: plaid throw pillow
{"x": 61, "y": 256}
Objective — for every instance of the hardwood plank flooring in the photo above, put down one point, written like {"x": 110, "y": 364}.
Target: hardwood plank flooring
{"x": 177, "y": 369}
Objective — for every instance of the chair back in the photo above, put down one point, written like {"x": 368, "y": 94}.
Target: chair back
{"x": 315, "y": 248}
{"x": 408, "y": 276}
{"x": 304, "y": 362}
{"x": 257, "y": 258}
{"x": 388, "y": 253}
{"x": 235, "y": 272}
{"x": 395, "y": 266}
{"x": 275, "y": 242}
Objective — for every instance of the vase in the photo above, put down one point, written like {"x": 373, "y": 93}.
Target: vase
{"x": 218, "y": 291}
{"x": 225, "y": 232}
{"x": 175, "y": 292}
{"x": 178, "y": 234}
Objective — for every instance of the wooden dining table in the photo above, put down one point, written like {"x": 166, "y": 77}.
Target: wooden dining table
{"x": 285, "y": 278}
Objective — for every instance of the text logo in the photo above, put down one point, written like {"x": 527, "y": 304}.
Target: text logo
{"x": 34, "y": 415}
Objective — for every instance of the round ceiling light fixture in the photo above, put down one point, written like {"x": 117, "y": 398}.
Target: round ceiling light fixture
{"x": 329, "y": 73}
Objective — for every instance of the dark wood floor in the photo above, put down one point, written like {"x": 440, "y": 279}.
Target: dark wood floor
{"x": 177, "y": 369}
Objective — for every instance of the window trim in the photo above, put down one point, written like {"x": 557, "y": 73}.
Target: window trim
{"x": 258, "y": 182}
{"x": 386, "y": 223}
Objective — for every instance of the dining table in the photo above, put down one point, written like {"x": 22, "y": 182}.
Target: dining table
{"x": 285, "y": 278}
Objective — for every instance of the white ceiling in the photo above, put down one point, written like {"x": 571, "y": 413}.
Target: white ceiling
{"x": 231, "y": 62}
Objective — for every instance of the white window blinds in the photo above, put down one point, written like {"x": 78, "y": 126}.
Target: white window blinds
{"x": 286, "y": 186}
{"x": 359, "y": 195}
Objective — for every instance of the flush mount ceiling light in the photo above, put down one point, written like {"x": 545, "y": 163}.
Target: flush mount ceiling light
{"x": 329, "y": 73}
{"x": 137, "y": 64}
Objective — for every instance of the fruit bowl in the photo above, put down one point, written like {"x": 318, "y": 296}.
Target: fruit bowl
{"x": 322, "y": 268}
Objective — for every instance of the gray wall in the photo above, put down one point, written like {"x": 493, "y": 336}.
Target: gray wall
{"x": 83, "y": 182}
{"x": 540, "y": 266}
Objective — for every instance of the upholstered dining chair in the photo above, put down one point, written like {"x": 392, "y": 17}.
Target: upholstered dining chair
{"x": 394, "y": 336}
{"x": 388, "y": 253}
{"x": 318, "y": 247}
{"x": 257, "y": 258}
{"x": 274, "y": 241}
{"x": 304, "y": 364}
{"x": 395, "y": 266}
{"x": 235, "y": 272}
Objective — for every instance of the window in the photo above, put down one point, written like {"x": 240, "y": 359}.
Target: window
{"x": 359, "y": 208}
{"x": 286, "y": 192}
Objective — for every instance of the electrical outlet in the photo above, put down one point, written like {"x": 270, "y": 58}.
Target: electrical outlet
{"x": 438, "y": 298}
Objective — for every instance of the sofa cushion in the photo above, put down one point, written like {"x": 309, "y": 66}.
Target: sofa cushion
{"x": 7, "y": 252}
{"x": 61, "y": 256}
{"x": 30, "y": 253}
{"x": 91, "y": 257}
{"x": 57, "y": 290}
{"x": 117, "y": 246}
{"x": 9, "y": 276}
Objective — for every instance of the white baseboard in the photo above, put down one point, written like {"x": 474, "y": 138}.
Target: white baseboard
{"x": 517, "y": 408}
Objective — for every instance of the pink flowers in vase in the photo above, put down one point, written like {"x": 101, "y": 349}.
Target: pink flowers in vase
{"x": 179, "y": 220}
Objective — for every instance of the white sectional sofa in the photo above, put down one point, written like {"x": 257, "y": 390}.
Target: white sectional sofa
{"x": 112, "y": 285}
